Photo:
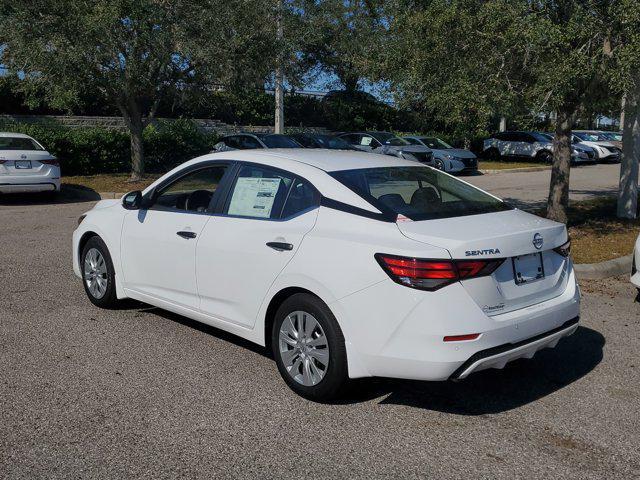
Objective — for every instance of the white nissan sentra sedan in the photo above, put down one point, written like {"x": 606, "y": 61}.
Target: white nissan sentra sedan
{"x": 25, "y": 165}
{"x": 344, "y": 264}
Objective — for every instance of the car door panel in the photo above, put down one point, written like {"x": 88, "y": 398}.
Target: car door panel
{"x": 235, "y": 267}
{"x": 158, "y": 243}
{"x": 243, "y": 250}
{"x": 156, "y": 260}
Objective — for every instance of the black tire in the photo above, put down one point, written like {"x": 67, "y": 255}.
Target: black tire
{"x": 439, "y": 164}
{"x": 545, "y": 157}
{"x": 492, "y": 154}
{"x": 108, "y": 299}
{"x": 335, "y": 376}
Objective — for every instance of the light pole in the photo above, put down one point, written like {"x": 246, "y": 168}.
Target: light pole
{"x": 279, "y": 90}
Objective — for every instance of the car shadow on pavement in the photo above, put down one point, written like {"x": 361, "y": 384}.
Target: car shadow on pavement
{"x": 68, "y": 194}
{"x": 494, "y": 391}
{"x": 201, "y": 327}
{"x": 486, "y": 392}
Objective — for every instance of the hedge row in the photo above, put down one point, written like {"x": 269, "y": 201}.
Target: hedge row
{"x": 89, "y": 151}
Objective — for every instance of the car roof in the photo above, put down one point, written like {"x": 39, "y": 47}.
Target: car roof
{"x": 311, "y": 164}
{"x": 320, "y": 158}
{"x": 16, "y": 135}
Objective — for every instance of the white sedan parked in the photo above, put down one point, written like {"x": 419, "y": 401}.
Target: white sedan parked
{"x": 344, "y": 264}
{"x": 25, "y": 165}
{"x": 635, "y": 274}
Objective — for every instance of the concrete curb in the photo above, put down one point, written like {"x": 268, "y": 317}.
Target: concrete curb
{"x": 515, "y": 170}
{"x": 610, "y": 268}
{"x": 110, "y": 195}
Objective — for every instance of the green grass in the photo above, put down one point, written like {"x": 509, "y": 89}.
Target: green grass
{"x": 596, "y": 233}
{"x": 493, "y": 165}
{"x": 114, "y": 182}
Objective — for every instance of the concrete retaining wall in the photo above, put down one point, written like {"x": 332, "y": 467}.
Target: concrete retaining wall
{"x": 117, "y": 123}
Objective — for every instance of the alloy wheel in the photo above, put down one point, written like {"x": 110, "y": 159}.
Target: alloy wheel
{"x": 303, "y": 348}
{"x": 95, "y": 273}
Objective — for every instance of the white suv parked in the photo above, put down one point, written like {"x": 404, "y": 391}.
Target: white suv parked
{"x": 531, "y": 145}
{"x": 344, "y": 264}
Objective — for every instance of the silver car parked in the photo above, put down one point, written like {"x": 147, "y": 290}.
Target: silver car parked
{"x": 388, "y": 144}
{"x": 445, "y": 157}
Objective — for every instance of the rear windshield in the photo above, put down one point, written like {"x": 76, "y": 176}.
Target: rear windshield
{"x": 18, "y": 143}
{"x": 418, "y": 193}
{"x": 279, "y": 141}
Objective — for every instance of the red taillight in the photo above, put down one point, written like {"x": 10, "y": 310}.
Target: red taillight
{"x": 428, "y": 274}
{"x": 477, "y": 268}
{"x": 564, "y": 249}
{"x": 2, "y": 161}
{"x": 461, "y": 338}
{"x": 54, "y": 163}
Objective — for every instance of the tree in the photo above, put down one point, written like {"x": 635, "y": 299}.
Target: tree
{"x": 458, "y": 62}
{"x": 571, "y": 45}
{"x": 468, "y": 61}
{"x": 625, "y": 70}
{"x": 131, "y": 51}
{"x": 339, "y": 36}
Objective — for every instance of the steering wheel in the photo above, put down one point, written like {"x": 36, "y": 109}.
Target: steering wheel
{"x": 198, "y": 201}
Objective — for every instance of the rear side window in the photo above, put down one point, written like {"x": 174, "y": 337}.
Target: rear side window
{"x": 247, "y": 143}
{"x": 302, "y": 196}
{"x": 418, "y": 193}
{"x": 259, "y": 192}
{"x": 232, "y": 142}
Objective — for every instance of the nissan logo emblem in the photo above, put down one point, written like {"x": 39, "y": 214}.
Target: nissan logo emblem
{"x": 538, "y": 241}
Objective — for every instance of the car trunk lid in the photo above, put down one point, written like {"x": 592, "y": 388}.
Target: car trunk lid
{"x": 532, "y": 271}
{"x": 24, "y": 162}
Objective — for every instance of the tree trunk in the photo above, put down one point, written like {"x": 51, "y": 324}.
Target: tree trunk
{"x": 628, "y": 192}
{"x": 503, "y": 124}
{"x": 137, "y": 148}
{"x": 559, "y": 188}
{"x": 132, "y": 116}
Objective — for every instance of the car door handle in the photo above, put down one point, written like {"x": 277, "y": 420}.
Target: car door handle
{"x": 184, "y": 234}
{"x": 280, "y": 246}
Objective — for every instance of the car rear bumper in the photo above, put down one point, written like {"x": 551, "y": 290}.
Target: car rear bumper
{"x": 498, "y": 357}
{"x": 51, "y": 185}
{"x": 47, "y": 181}
{"x": 611, "y": 158}
{"x": 402, "y": 335}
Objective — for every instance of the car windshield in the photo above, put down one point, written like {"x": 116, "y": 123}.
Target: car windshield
{"x": 387, "y": 138}
{"x": 418, "y": 193}
{"x": 18, "y": 143}
{"x": 279, "y": 141}
{"x": 586, "y": 136}
{"x": 435, "y": 143}
{"x": 334, "y": 143}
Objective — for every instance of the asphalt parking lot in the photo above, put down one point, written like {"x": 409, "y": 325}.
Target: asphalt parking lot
{"x": 531, "y": 189}
{"x": 138, "y": 392}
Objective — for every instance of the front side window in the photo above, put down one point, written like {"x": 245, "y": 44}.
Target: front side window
{"x": 18, "y": 143}
{"x": 191, "y": 193}
{"x": 419, "y": 193}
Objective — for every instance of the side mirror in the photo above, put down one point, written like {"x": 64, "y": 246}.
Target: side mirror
{"x": 132, "y": 200}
